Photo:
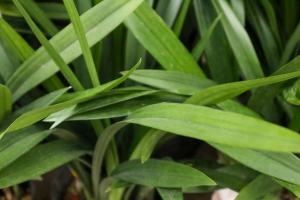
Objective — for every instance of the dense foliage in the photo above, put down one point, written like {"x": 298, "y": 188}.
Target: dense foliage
{"x": 150, "y": 99}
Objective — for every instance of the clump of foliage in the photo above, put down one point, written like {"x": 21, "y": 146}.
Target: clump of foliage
{"x": 152, "y": 99}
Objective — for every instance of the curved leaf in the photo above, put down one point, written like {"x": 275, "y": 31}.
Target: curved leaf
{"x": 161, "y": 173}
{"x": 217, "y": 126}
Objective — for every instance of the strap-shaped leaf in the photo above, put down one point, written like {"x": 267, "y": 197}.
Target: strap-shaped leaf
{"x": 284, "y": 166}
{"x": 15, "y": 145}
{"x": 38, "y": 114}
{"x": 160, "y": 173}
{"x": 38, "y": 161}
{"x": 5, "y": 102}
{"x": 219, "y": 93}
{"x": 217, "y": 126}
{"x": 160, "y": 41}
{"x": 239, "y": 41}
{"x": 105, "y": 17}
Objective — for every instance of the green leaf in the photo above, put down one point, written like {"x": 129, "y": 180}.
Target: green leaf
{"x": 238, "y": 6}
{"x": 284, "y": 166}
{"x": 146, "y": 145}
{"x": 106, "y": 16}
{"x": 64, "y": 68}
{"x": 38, "y": 161}
{"x": 181, "y": 17}
{"x": 14, "y": 41}
{"x": 168, "y": 10}
{"x": 102, "y": 101}
{"x": 266, "y": 37}
{"x": 217, "y": 126}
{"x": 295, "y": 189}
{"x": 38, "y": 114}
{"x": 240, "y": 42}
{"x": 160, "y": 173}
{"x": 80, "y": 33}
{"x": 43, "y": 101}
{"x": 156, "y": 37}
{"x": 262, "y": 99}
{"x": 201, "y": 44}
{"x": 8, "y": 62}
{"x": 176, "y": 82}
{"x": 170, "y": 194}
{"x": 290, "y": 45}
{"x": 18, "y": 143}
{"x": 124, "y": 108}
{"x": 234, "y": 176}
{"x": 226, "y": 91}
{"x": 258, "y": 188}
{"x": 224, "y": 68}
{"x": 52, "y": 10}
{"x": 271, "y": 15}
{"x": 99, "y": 154}
{"x": 40, "y": 17}
{"x": 6, "y": 102}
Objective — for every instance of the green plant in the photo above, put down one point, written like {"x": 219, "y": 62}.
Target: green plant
{"x": 115, "y": 94}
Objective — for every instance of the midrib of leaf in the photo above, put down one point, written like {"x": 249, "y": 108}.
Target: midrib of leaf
{"x": 143, "y": 17}
{"x": 144, "y": 22}
{"x": 79, "y": 30}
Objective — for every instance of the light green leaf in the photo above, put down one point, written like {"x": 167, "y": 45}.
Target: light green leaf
{"x": 160, "y": 41}
{"x": 238, "y": 6}
{"x": 38, "y": 161}
{"x": 217, "y": 126}
{"x": 106, "y": 16}
{"x": 160, "y": 173}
